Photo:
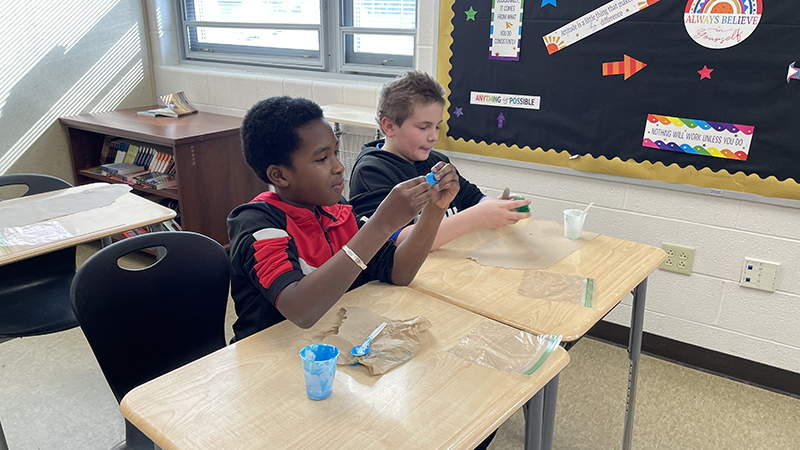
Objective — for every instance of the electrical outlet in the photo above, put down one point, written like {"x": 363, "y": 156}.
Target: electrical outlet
{"x": 759, "y": 274}
{"x": 680, "y": 258}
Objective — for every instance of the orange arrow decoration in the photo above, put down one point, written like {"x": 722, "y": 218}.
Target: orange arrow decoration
{"x": 628, "y": 67}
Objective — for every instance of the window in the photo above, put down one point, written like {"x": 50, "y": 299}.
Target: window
{"x": 346, "y": 36}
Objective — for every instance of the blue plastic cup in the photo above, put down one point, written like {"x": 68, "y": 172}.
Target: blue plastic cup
{"x": 319, "y": 368}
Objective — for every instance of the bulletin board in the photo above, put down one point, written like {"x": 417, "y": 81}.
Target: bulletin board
{"x": 698, "y": 92}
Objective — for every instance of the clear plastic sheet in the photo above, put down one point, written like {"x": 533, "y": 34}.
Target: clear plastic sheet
{"x": 556, "y": 287}
{"x": 506, "y": 349}
{"x": 35, "y": 234}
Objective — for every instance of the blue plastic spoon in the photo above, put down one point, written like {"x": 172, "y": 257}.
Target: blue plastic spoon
{"x": 363, "y": 349}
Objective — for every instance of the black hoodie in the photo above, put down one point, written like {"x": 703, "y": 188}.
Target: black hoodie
{"x": 377, "y": 171}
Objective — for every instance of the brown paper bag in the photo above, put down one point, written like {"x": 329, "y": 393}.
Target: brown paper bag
{"x": 399, "y": 341}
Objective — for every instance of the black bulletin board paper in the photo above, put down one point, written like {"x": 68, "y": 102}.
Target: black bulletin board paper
{"x": 603, "y": 118}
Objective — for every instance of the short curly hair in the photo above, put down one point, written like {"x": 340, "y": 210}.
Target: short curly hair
{"x": 269, "y": 131}
{"x": 399, "y": 97}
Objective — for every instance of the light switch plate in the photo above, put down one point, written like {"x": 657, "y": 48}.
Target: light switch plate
{"x": 757, "y": 274}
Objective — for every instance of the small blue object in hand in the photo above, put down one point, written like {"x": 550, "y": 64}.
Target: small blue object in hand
{"x": 431, "y": 179}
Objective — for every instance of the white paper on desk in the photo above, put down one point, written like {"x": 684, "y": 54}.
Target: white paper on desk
{"x": 24, "y": 213}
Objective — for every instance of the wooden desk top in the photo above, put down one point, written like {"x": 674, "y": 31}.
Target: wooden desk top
{"x": 617, "y": 265}
{"x": 350, "y": 115}
{"x": 126, "y": 213}
{"x": 251, "y": 395}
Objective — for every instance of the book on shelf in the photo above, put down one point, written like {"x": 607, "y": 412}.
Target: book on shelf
{"x": 131, "y": 176}
{"x": 177, "y": 105}
{"x": 106, "y": 150}
{"x": 143, "y": 156}
{"x": 157, "y": 180}
{"x": 133, "y": 150}
{"x": 94, "y": 171}
{"x": 136, "y": 232}
{"x": 122, "y": 151}
{"x": 120, "y": 169}
{"x": 113, "y": 148}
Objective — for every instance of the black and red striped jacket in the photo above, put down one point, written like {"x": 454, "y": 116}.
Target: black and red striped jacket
{"x": 274, "y": 244}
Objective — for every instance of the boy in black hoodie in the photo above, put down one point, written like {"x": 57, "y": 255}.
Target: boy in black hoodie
{"x": 410, "y": 110}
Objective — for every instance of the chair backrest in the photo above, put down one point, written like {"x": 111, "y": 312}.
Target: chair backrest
{"x": 143, "y": 323}
{"x": 36, "y": 183}
{"x": 34, "y": 296}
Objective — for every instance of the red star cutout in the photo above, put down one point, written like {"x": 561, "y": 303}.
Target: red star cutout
{"x": 705, "y": 73}
{"x": 497, "y": 54}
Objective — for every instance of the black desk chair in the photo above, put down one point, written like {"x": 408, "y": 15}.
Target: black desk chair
{"x": 34, "y": 294}
{"x": 143, "y": 323}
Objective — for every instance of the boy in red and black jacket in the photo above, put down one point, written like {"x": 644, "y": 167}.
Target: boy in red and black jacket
{"x": 295, "y": 251}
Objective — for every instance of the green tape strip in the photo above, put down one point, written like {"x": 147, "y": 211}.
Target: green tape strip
{"x": 587, "y": 299}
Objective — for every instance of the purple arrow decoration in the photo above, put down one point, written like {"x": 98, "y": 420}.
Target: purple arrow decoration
{"x": 500, "y": 120}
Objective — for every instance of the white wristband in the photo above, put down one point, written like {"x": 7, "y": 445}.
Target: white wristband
{"x": 354, "y": 257}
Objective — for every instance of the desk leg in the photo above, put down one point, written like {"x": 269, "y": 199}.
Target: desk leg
{"x": 549, "y": 418}
{"x": 533, "y": 421}
{"x": 634, "y": 353}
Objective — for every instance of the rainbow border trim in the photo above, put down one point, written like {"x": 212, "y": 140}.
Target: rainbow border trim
{"x": 698, "y": 149}
{"x": 742, "y": 6}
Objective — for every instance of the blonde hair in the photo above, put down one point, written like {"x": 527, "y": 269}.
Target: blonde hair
{"x": 400, "y": 96}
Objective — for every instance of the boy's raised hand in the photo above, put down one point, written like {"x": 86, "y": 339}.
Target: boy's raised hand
{"x": 403, "y": 204}
{"x": 445, "y": 190}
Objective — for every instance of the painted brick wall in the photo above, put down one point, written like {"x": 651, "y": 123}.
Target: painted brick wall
{"x": 706, "y": 308}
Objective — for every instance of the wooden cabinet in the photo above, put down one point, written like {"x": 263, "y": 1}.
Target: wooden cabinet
{"x": 213, "y": 177}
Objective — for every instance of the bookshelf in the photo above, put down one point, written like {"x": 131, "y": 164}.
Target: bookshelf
{"x": 213, "y": 177}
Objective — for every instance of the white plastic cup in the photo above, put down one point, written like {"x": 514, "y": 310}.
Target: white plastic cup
{"x": 573, "y": 223}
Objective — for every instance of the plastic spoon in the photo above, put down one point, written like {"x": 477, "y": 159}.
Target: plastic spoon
{"x": 587, "y": 209}
{"x": 363, "y": 349}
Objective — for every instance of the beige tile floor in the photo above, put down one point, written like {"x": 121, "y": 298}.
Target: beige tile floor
{"x": 53, "y": 397}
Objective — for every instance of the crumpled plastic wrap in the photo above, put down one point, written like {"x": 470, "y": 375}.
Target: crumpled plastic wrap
{"x": 556, "y": 287}
{"x": 35, "y": 234}
{"x": 399, "y": 341}
{"x": 506, "y": 349}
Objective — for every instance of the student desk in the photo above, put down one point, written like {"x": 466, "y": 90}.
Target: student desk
{"x": 126, "y": 213}
{"x": 617, "y": 265}
{"x": 251, "y": 395}
{"x": 351, "y": 115}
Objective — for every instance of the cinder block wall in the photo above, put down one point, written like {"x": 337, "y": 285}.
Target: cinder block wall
{"x": 707, "y": 308}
